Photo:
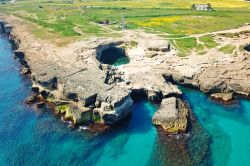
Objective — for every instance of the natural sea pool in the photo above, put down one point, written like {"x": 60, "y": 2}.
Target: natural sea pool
{"x": 121, "y": 61}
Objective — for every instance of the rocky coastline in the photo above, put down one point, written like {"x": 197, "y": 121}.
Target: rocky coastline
{"x": 222, "y": 78}
{"x": 79, "y": 82}
{"x": 91, "y": 94}
{"x": 222, "y": 82}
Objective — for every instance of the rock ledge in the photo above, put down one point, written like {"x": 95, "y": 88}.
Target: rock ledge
{"x": 172, "y": 115}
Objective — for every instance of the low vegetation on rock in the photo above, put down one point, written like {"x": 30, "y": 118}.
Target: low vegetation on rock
{"x": 227, "y": 49}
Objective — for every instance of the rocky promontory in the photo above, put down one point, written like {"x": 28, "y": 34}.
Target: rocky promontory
{"x": 222, "y": 81}
{"x": 78, "y": 85}
{"x": 80, "y": 82}
{"x": 217, "y": 73}
{"x": 73, "y": 84}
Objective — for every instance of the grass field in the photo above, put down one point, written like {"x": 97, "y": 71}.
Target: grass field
{"x": 164, "y": 17}
{"x": 227, "y": 49}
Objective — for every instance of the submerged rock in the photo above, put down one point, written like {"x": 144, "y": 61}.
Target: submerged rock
{"x": 191, "y": 149}
{"x": 172, "y": 115}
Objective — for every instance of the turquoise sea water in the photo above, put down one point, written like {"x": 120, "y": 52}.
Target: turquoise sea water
{"x": 229, "y": 127}
{"x": 29, "y": 137}
{"x": 121, "y": 61}
{"x": 35, "y": 137}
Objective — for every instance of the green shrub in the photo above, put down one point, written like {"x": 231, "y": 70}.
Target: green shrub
{"x": 62, "y": 108}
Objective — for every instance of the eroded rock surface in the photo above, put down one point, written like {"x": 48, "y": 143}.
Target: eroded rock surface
{"x": 172, "y": 115}
{"x": 74, "y": 76}
{"x": 220, "y": 78}
{"x": 226, "y": 78}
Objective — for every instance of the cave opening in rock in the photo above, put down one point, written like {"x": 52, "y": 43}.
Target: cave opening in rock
{"x": 113, "y": 56}
{"x": 247, "y": 47}
{"x": 138, "y": 95}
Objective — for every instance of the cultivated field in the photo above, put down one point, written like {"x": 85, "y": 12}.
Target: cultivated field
{"x": 65, "y": 21}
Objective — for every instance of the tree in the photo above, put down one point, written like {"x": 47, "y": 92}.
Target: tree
{"x": 193, "y": 6}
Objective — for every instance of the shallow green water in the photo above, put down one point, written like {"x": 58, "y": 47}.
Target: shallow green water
{"x": 229, "y": 127}
{"x": 121, "y": 61}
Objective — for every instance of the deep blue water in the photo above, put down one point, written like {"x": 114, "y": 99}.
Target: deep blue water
{"x": 34, "y": 137}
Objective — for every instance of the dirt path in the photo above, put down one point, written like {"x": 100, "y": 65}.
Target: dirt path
{"x": 234, "y": 30}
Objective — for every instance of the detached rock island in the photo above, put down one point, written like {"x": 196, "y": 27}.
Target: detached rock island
{"x": 81, "y": 83}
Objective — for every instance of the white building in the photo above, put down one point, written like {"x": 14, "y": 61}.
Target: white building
{"x": 202, "y": 7}
{"x": 13, "y": 1}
